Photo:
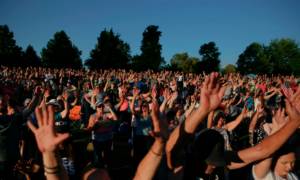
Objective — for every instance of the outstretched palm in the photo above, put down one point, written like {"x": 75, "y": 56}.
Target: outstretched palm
{"x": 45, "y": 135}
{"x": 211, "y": 94}
{"x": 278, "y": 119}
{"x": 161, "y": 128}
{"x": 293, "y": 106}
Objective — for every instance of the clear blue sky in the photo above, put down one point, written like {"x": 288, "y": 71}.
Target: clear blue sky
{"x": 185, "y": 25}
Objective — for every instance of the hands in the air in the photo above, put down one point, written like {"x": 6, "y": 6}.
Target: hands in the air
{"x": 211, "y": 94}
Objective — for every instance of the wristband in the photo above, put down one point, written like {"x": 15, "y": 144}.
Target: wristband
{"x": 58, "y": 169}
{"x": 156, "y": 153}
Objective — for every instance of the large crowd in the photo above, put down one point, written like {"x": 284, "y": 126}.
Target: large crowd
{"x": 181, "y": 126}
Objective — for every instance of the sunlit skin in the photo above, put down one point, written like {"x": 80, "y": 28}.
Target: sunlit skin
{"x": 96, "y": 174}
{"x": 285, "y": 164}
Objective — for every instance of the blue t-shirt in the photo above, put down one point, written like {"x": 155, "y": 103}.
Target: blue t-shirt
{"x": 250, "y": 103}
{"x": 143, "y": 125}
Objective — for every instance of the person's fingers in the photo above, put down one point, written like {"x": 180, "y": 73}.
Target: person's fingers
{"x": 211, "y": 83}
{"x": 61, "y": 138}
{"x": 31, "y": 127}
{"x": 294, "y": 96}
{"x": 51, "y": 116}
{"x": 279, "y": 111}
{"x": 221, "y": 92}
{"x": 282, "y": 112}
{"x": 39, "y": 116}
{"x": 151, "y": 134}
{"x": 288, "y": 106}
{"x": 45, "y": 114}
{"x": 206, "y": 82}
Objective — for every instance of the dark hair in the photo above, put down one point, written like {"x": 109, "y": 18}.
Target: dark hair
{"x": 68, "y": 146}
{"x": 284, "y": 150}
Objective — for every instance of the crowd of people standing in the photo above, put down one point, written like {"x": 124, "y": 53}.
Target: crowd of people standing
{"x": 182, "y": 125}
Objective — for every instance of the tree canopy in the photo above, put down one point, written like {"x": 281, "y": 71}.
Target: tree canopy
{"x": 31, "y": 58}
{"x": 151, "y": 51}
{"x": 109, "y": 52}
{"x": 286, "y": 55}
{"x": 210, "y": 60}
{"x": 230, "y": 68}
{"x": 61, "y": 53}
{"x": 10, "y": 53}
{"x": 184, "y": 63}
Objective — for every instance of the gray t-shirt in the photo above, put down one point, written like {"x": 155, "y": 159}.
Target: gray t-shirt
{"x": 228, "y": 90}
{"x": 99, "y": 97}
{"x": 70, "y": 91}
{"x": 153, "y": 81}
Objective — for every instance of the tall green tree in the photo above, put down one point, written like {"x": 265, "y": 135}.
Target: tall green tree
{"x": 210, "y": 59}
{"x": 151, "y": 50}
{"x": 286, "y": 55}
{"x": 31, "y": 58}
{"x": 10, "y": 53}
{"x": 109, "y": 52}
{"x": 230, "y": 68}
{"x": 254, "y": 60}
{"x": 61, "y": 53}
{"x": 184, "y": 62}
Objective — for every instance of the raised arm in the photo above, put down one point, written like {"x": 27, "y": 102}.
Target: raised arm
{"x": 272, "y": 94}
{"x": 272, "y": 143}
{"x": 173, "y": 98}
{"x": 262, "y": 167}
{"x": 232, "y": 125}
{"x": 34, "y": 103}
{"x": 48, "y": 143}
{"x": 112, "y": 115}
{"x": 167, "y": 97}
{"x": 211, "y": 96}
{"x": 92, "y": 83}
{"x": 210, "y": 117}
{"x": 252, "y": 125}
{"x": 65, "y": 112}
{"x": 191, "y": 108}
{"x": 148, "y": 166}
{"x": 135, "y": 94}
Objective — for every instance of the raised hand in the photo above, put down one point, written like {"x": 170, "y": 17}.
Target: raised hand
{"x": 259, "y": 108}
{"x": 45, "y": 136}
{"x": 37, "y": 91}
{"x": 46, "y": 94}
{"x": 278, "y": 119}
{"x": 293, "y": 106}
{"x": 161, "y": 128}
{"x": 211, "y": 94}
{"x": 135, "y": 92}
{"x": 153, "y": 93}
{"x": 245, "y": 107}
{"x": 167, "y": 94}
{"x": 175, "y": 95}
{"x": 65, "y": 96}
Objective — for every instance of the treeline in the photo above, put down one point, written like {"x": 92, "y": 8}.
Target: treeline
{"x": 279, "y": 57}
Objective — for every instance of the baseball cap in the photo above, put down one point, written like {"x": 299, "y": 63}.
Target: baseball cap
{"x": 210, "y": 144}
{"x": 69, "y": 81}
{"x": 61, "y": 125}
{"x": 99, "y": 103}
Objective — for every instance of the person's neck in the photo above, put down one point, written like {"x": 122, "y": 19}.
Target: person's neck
{"x": 101, "y": 113}
{"x": 145, "y": 113}
{"x": 219, "y": 126}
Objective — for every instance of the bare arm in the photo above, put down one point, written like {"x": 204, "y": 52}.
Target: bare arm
{"x": 191, "y": 108}
{"x": 210, "y": 123}
{"x": 268, "y": 96}
{"x": 26, "y": 113}
{"x": 232, "y": 125}
{"x": 112, "y": 114}
{"x": 211, "y": 97}
{"x": 135, "y": 93}
{"x": 167, "y": 97}
{"x": 272, "y": 143}
{"x": 65, "y": 112}
{"x": 148, "y": 166}
{"x": 174, "y": 96}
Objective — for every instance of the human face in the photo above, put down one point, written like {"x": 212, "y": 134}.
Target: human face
{"x": 178, "y": 109}
{"x": 221, "y": 119}
{"x": 3, "y": 105}
{"x": 144, "y": 107}
{"x": 285, "y": 164}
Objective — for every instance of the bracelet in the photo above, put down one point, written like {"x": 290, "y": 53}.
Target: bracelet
{"x": 156, "y": 153}
{"x": 58, "y": 169}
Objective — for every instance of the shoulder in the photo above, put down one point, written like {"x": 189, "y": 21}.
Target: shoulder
{"x": 292, "y": 176}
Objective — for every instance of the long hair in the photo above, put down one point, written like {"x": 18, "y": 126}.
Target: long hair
{"x": 141, "y": 112}
{"x": 68, "y": 146}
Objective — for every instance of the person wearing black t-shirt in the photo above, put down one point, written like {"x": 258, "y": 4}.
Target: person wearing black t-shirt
{"x": 191, "y": 88}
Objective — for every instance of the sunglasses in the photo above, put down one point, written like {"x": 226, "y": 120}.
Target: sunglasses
{"x": 101, "y": 106}
{"x": 145, "y": 106}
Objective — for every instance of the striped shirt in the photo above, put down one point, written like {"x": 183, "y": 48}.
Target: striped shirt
{"x": 103, "y": 130}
